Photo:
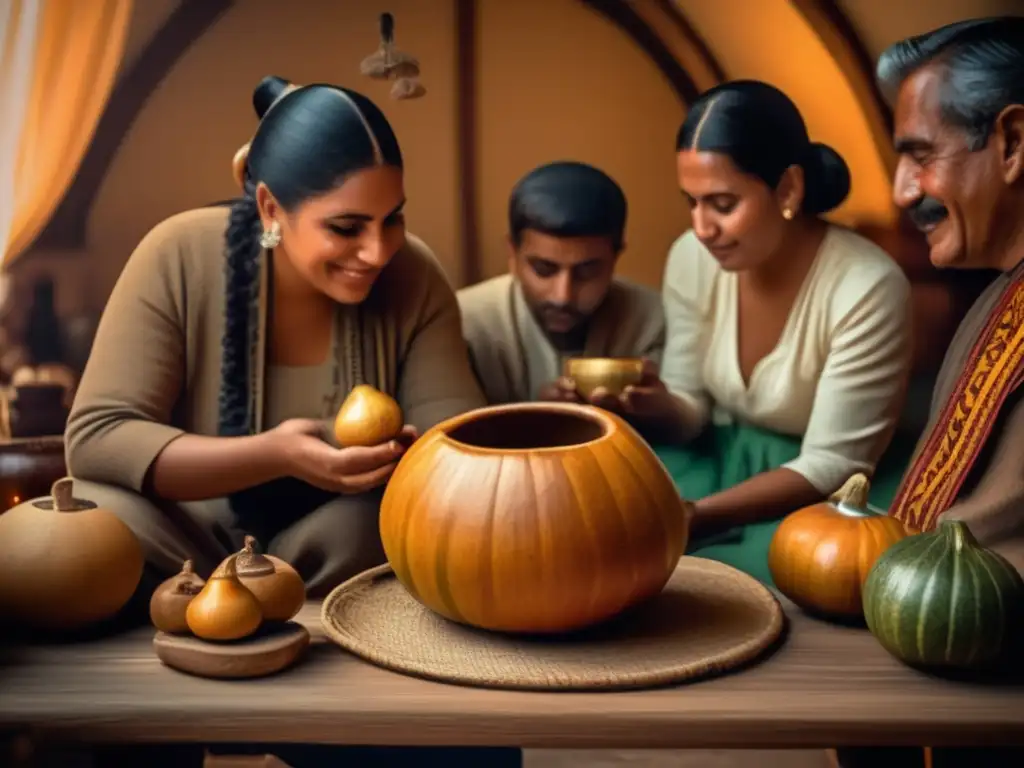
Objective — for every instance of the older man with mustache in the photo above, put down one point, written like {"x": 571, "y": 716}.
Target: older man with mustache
{"x": 959, "y": 131}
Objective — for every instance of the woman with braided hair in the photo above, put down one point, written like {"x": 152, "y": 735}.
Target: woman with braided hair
{"x": 231, "y": 339}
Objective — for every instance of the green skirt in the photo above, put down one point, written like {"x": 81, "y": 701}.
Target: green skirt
{"x": 727, "y": 455}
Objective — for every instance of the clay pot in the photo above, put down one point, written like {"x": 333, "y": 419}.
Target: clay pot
{"x": 38, "y": 409}
{"x": 533, "y": 517}
{"x": 29, "y": 467}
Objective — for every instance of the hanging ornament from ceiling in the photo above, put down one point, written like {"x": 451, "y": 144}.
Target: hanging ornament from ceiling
{"x": 390, "y": 63}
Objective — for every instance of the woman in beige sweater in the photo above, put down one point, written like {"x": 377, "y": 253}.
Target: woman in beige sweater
{"x": 230, "y": 341}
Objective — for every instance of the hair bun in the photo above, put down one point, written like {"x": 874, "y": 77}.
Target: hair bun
{"x": 826, "y": 179}
{"x": 270, "y": 89}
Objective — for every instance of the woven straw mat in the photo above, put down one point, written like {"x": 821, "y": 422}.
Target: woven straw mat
{"x": 710, "y": 618}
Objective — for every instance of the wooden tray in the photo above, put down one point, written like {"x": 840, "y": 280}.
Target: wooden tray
{"x": 274, "y": 648}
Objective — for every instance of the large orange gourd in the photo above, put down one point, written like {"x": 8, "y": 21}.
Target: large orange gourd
{"x": 820, "y": 556}
{"x": 533, "y": 517}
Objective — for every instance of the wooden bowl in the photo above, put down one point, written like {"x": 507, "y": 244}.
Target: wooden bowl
{"x": 273, "y": 648}
{"x": 532, "y": 517}
{"x": 612, "y": 373}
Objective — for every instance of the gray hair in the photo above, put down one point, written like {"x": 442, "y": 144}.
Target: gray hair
{"x": 983, "y": 70}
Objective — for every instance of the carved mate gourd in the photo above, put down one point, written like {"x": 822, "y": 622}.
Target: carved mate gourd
{"x": 532, "y": 518}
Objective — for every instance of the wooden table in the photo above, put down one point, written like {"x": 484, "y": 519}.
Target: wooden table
{"x": 827, "y": 685}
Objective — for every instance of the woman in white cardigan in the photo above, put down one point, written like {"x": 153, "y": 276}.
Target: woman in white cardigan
{"x": 788, "y": 342}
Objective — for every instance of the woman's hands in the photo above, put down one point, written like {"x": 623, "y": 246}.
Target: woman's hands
{"x": 304, "y": 453}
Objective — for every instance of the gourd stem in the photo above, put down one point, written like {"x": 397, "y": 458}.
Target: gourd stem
{"x": 62, "y": 493}
{"x": 227, "y": 569}
{"x": 960, "y": 534}
{"x": 186, "y": 567}
{"x": 853, "y": 495}
{"x": 250, "y": 563}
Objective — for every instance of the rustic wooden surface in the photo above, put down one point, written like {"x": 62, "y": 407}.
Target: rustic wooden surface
{"x": 826, "y": 685}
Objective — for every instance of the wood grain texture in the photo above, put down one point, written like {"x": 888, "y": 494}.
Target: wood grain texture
{"x": 466, "y": 39}
{"x": 827, "y": 685}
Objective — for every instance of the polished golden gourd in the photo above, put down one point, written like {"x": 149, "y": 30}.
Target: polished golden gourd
{"x": 820, "y": 555}
{"x": 533, "y": 517}
{"x": 367, "y": 417}
{"x": 224, "y": 609}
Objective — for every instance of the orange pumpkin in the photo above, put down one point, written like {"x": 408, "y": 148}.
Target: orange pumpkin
{"x": 820, "y": 556}
{"x": 532, "y": 517}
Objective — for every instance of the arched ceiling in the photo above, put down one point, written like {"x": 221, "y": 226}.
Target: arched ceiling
{"x": 805, "y": 47}
{"x": 802, "y": 47}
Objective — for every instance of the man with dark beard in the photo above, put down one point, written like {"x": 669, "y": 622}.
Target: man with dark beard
{"x": 560, "y": 298}
{"x": 959, "y": 132}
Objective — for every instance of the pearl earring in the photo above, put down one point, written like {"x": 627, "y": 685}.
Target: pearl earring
{"x": 271, "y": 238}
{"x": 787, "y": 213}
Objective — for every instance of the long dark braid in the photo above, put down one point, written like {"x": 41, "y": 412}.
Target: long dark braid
{"x": 241, "y": 278}
{"x": 308, "y": 141}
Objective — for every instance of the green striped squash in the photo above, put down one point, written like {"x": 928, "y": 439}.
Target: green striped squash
{"x": 941, "y": 600}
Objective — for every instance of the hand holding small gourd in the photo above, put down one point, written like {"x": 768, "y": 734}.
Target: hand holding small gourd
{"x": 305, "y": 454}
{"x": 368, "y": 417}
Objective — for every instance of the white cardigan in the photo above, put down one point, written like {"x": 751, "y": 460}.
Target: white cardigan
{"x": 838, "y": 373}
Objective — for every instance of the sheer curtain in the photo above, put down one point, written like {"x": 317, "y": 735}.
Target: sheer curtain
{"x": 19, "y": 21}
{"x": 62, "y": 66}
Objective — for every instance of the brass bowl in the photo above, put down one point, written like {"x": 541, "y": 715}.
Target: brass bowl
{"x": 612, "y": 373}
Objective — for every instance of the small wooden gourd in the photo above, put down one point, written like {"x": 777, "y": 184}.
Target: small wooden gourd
{"x": 278, "y": 586}
{"x": 169, "y": 603}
